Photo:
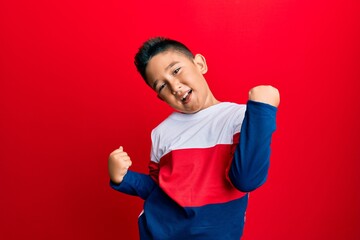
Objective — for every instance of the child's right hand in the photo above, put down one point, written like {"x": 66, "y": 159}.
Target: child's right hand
{"x": 118, "y": 163}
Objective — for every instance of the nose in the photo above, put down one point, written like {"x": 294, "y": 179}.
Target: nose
{"x": 175, "y": 86}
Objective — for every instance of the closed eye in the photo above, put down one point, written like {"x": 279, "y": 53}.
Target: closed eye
{"x": 161, "y": 87}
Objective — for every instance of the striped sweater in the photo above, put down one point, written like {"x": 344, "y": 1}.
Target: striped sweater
{"x": 202, "y": 167}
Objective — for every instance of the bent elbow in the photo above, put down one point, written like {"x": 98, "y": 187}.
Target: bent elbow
{"x": 246, "y": 185}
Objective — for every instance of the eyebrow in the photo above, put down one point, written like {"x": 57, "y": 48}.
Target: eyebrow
{"x": 169, "y": 66}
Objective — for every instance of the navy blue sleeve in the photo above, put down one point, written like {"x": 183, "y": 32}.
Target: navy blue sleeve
{"x": 136, "y": 184}
{"x": 250, "y": 164}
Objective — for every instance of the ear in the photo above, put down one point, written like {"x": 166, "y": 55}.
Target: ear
{"x": 200, "y": 62}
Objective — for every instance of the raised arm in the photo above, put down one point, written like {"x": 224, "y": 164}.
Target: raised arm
{"x": 125, "y": 181}
{"x": 251, "y": 160}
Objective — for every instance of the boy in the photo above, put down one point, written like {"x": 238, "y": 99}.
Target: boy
{"x": 205, "y": 157}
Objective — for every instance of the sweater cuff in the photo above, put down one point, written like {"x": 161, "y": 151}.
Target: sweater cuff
{"x": 260, "y": 105}
{"x": 124, "y": 183}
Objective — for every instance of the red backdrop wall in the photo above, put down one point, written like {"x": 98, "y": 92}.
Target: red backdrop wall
{"x": 69, "y": 95}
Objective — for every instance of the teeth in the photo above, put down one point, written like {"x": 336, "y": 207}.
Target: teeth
{"x": 186, "y": 94}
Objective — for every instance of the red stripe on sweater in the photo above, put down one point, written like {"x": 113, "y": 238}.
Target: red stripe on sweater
{"x": 198, "y": 176}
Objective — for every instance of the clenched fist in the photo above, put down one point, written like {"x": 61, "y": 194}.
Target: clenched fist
{"x": 118, "y": 163}
{"x": 265, "y": 94}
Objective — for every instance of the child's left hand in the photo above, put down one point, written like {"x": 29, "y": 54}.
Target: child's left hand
{"x": 265, "y": 94}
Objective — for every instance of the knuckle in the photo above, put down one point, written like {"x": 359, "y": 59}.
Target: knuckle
{"x": 123, "y": 154}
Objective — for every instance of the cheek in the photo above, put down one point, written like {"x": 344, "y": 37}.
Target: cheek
{"x": 170, "y": 101}
{"x": 190, "y": 79}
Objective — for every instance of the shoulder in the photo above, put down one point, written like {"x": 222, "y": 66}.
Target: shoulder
{"x": 232, "y": 109}
{"x": 167, "y": 123}
{"x": 234, "y": 106}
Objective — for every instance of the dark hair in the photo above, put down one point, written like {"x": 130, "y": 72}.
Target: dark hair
{"x": 155, "y": 46}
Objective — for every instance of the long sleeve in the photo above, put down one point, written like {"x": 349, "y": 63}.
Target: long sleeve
{"x": 250, "y": 164}
{"x": 136, "y": 184}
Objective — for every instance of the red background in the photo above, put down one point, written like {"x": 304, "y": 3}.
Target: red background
{"x": 69, "y": 95}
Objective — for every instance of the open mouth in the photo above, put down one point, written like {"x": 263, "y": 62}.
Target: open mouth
{"x": 186, "y": 97}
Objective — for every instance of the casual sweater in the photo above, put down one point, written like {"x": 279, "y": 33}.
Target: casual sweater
{"x": 202, "y": 167}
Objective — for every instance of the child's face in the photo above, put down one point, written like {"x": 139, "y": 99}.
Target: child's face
{"x": 179, "y": 81}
